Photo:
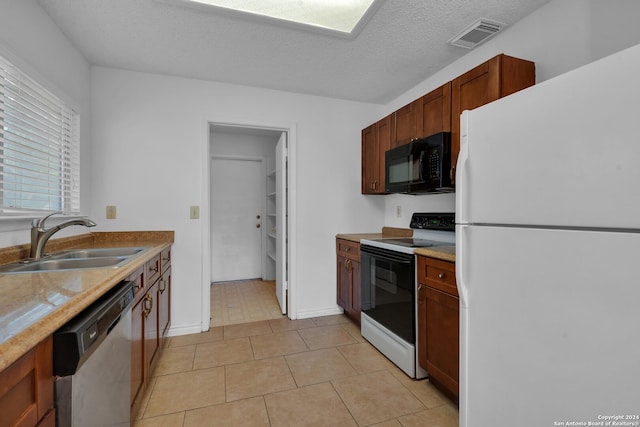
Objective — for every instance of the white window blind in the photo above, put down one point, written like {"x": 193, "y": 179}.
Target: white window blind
{"x": 39, "y": 147}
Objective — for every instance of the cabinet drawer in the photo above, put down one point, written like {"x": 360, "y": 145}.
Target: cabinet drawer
{"x": 437, "y": 274}
{"x": 165, "y": 259}
{"x": 138, "y": 285}
{"x": 348, "y": 249}
{"x": 153, "y": 270}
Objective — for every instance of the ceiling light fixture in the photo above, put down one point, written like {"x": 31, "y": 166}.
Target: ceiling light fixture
{"x": 339, "y": 17}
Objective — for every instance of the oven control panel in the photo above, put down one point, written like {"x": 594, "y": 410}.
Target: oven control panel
{"x": 433, "y": 221}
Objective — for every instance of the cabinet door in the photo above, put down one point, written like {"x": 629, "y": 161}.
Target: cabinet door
{"x": 164, "y": 303}
{"x": 370, "y": 159}
{"x": 384, "y": 129}
{"x": 442, "y": 352}
{"x": 406, "y": 124}
{"x": 474, "y": 88}
{"x": 500, "y": 76}
{"x": 26, "y": 387}
{"x": 355, "y": 306}
{"x": 137, "y": 352}
{"x": 49, "y": 420}
{"x": 375, "y": 142}
{"x": 436, "y": 111}
{"x": 343, "y": 282}
{"x": 151, "y": 338}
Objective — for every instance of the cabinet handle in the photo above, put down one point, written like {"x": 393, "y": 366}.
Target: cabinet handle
{"x": 375, "y": 185}
{"x": 154, "y": 269}
{"x": 419, "y": 286}
{"x": 148, "y": 304}
{"x": 162, "y": 286}
{"x": 167, "y": 259}
{"x": 347, "y": 264}
{"x": 441, "y": 275}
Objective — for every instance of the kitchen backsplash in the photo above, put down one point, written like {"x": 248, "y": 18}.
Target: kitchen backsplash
{"x": 399, "y": 207}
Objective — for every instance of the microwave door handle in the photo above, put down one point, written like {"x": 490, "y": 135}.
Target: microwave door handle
{"x": 421, "y": 166}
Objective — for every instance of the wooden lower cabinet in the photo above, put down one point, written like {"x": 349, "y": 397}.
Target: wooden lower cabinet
{"x": 348, "y": 278}
{"x": 439, "y": 324}
{"x": 150, "y": 323}
{"x": 151, "y": 335}
{"x": 164, "y": 297}
{"x": 137, "y": 353}
{"x": 26, "y": 389}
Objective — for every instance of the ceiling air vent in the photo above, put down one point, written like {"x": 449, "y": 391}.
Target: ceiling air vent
{"x": 476, "y": 33}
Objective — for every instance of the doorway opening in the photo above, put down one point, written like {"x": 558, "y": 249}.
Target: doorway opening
{"x": 249, "y": 211}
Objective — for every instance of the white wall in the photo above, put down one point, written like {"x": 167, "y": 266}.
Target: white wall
{"x": 30, "y": 40}
{"x": 248, "y": 144}
{"x": 148, "y": 135}
{"x": 558, "y": 37}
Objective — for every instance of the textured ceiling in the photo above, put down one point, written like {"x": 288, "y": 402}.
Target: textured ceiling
{"x": 404, "y": 43}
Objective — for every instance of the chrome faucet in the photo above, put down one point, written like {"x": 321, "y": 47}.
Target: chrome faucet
{"x": 40, "y": 235}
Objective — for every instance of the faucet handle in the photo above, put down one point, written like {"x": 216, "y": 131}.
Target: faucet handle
{"x": 39, "y": 223}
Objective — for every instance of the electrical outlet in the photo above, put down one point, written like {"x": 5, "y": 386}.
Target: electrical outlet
{"x": 398, "y": 211}
{"x": 111, "y": 212}
{"x": 194, "y": 212}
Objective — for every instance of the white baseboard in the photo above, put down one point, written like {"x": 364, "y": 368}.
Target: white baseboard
{"x": 319, "y": 313}
{"x": 175, "y": 331}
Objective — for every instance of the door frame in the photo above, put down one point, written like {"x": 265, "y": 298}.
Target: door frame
{"x": 263, "y": 203}
{"x": 205, "y": 222}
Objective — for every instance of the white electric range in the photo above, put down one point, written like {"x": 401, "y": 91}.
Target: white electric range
{"x": 389, "y": 288}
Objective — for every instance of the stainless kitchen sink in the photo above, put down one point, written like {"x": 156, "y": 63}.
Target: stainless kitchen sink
{"x": 75, "y": 259}
{"x": 96, "y": 253}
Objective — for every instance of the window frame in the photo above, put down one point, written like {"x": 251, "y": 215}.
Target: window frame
{"x": 66, "y": 153}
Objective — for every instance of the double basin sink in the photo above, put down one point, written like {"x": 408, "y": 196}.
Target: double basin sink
{"x": 75, "y": 259}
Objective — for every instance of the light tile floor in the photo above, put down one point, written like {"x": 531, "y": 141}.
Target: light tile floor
{"x": 310, "y": 372}
{"x": 243, "y": 301}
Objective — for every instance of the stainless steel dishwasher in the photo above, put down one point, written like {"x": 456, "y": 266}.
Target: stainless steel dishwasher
{"x": 92, "y": 363}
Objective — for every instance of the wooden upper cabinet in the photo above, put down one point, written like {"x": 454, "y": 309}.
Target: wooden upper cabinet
{"x": 500, "y": 76}
{"x": 435, "y": 109}
{"x": 439, "y": 111}
{"x": 406, "y": 126}
{"x": 375, "y": 142}
{"x": 370, "y": 159}
{"x": 423, "y": 117}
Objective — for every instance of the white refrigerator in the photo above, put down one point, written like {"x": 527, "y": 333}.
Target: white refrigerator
{"x": 548, "y": 252}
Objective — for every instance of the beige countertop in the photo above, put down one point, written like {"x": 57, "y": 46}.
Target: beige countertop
{"x": 34, "y": 305}
{"x": 357, "y": 237}
{"x": 386, "y": 232}
{"x": 444, "y": 253}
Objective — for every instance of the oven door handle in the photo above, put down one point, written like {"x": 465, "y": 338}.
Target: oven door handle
{"x": 387, "y": 255}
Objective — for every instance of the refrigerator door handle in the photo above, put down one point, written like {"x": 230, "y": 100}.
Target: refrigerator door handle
{"x": 461, "y": 264}
{"x": 462, "y": 184}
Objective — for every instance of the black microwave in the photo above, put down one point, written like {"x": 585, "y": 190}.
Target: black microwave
{"x": 421, "y": 166}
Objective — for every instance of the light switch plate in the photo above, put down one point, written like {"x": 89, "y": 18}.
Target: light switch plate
{"x": 111, "y": 212}
{"x": 194, "y": 212}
